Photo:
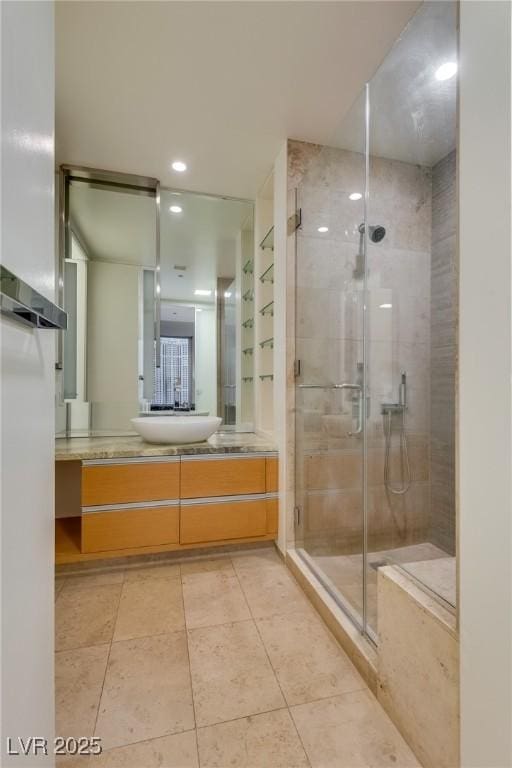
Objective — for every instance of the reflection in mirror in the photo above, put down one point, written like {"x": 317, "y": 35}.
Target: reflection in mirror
{"x": 205, "y": 242}
{"x": 110, "y": 259}
{"x": 124, "y": 295}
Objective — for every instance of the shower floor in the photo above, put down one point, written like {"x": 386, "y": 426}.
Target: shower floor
{"x": 427, "y": 563}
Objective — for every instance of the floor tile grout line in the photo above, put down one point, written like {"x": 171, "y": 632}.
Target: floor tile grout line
{"x": 299, "y": 736}
{"x": 287, "y": 707}
{"x": 264, "y": 647}
{"x": 155, "y": 634}
{"x": 189, "y": 667}
{"x": 148, "y": 741}
{"x": 317, "y": 615}
{"x": 106, "y": 665}
{"x": 281, "y": 689}
{"x": 242, "y": 717}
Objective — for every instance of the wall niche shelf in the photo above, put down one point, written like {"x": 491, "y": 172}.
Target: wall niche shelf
{"x": 268, "y": 309}
{"x": 264, "y": 295}
{"x": 268, "y": 275}
{"x": 268, "y": 240}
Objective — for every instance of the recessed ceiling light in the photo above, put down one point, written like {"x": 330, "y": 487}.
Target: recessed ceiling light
{"x": 227, "y": 295}
{"x": 179, "y": 166}
{"x": 385, "y": 306}
{"x": 202, "y": 292}
{"x": 176, "y": 209}
{"x": 446, "y": 70}
{"x": 355, "y": 196}
{"x": 323, "y": 229}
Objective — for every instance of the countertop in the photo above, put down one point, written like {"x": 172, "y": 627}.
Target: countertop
{"x": 77, "y": 448}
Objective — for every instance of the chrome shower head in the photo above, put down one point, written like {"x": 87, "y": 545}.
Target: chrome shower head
{"x": 376, "y": 233}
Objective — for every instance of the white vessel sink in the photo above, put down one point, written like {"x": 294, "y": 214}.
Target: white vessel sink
{"x": 176, "y": 429}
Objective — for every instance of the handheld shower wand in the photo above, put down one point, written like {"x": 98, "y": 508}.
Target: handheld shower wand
{"x": 388, "y": 409}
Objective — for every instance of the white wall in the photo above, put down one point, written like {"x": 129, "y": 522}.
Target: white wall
{"x": 27, "y": 378}
{"x": 485, "y": 408}
{"x": 112, "y": 344}
{"x": 205, "y": 363}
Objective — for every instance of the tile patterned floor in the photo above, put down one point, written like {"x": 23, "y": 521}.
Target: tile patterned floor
{"x": 209, "y": 664}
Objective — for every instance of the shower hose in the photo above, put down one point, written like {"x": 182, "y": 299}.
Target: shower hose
{"x": 404, "y": 455}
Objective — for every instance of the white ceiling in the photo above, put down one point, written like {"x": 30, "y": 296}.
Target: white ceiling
{"x": 217, "y": 84}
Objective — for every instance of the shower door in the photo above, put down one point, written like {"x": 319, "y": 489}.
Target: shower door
{"x": 375, "y": 328}
{"x": 330, "y": 366}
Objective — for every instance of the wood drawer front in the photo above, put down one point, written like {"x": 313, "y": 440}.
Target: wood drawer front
{"x": 271, "y": 475}
{"x": 222, "y": 477}
{"x": 125, "y": 483}
{"x": 272, "y": 515}
{"x": 223, "y": 521}
{"x": 130, "y": 528}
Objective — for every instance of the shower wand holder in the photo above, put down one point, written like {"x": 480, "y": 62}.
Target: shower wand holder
{"x": 386, "y": 408}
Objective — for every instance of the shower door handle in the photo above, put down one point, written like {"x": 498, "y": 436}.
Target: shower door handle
{"x": 329, "y": 386}
{"x": 360, "y": 409}
{"x": 344, "y": 385}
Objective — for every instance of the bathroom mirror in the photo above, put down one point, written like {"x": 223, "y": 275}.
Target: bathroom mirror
{"x": 205, "y": 243}
{"x": 151, "y": 282}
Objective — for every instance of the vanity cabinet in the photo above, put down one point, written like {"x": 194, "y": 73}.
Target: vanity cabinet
{"x": 113, "y": 482}
{"x": 114, "y": 529}
{"x": 222, "y": 521}
{"x": 153, "y": 504}
{"x": 204, "y": 476}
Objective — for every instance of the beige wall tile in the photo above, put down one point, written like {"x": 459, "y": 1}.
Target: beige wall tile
{"x": 418, "y": 669}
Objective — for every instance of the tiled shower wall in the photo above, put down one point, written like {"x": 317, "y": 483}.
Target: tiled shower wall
{"x": 329, "y": 343}
{"x": 443, "y": 350}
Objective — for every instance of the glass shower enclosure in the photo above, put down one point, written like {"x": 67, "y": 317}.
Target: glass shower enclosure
{"x": 375, "y": 326}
